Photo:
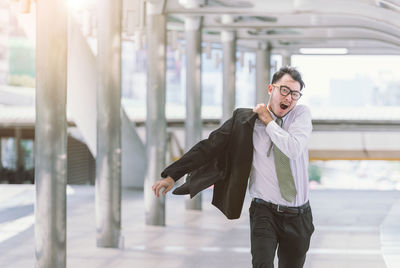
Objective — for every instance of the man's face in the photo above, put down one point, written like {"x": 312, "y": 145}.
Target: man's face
{"x": 280, "y": 105}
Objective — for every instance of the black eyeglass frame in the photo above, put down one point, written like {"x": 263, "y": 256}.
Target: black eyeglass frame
{"x": 290, "y": 91}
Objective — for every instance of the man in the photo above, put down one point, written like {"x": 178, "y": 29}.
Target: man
{"x": 268, "y": 145}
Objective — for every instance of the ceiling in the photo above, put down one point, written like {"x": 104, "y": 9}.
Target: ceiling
{"x": 361, "y": 26}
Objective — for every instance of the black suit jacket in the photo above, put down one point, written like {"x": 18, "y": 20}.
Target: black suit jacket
{"x": 223, "y": 160}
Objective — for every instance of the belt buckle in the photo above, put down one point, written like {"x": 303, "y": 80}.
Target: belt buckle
{"x": 277, "y": 209}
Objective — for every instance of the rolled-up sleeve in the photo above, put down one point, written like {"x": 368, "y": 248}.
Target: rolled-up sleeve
{"x": 293, "y": 141}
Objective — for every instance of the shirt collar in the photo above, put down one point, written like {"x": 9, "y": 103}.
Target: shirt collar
{"x": 275, "y": 117}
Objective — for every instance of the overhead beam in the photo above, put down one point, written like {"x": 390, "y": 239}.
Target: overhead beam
{"x": 326, "y": 34}
{"x": 359, "y": 39}
{"x": 350, "y": 51}
{"x": 359, "y": 9}
{"x": 288, "y": 21}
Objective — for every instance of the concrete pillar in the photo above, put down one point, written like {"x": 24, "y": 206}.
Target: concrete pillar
{"x": 228, "y": 39}
{"x": 286, "y": 59}
{"x": 156, "y": 126}
{"x": 263, "y": 72}
{"x": 51, "y": 134}
{"x": 108, "y": 160}
{"x": 193, "y": 123}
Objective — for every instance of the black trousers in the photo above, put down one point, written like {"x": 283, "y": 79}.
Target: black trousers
{"x": 271, "y": 229}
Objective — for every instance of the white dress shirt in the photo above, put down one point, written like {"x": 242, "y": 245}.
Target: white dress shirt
{"x": 292, "y": 140}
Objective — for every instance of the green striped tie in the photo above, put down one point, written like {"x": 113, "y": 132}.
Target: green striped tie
{"x": 284, "y": 172}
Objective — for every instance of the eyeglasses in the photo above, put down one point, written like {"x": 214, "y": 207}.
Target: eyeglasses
{"x": 286, "y": 91}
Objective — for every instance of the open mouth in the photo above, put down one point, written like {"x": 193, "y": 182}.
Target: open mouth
{"x": 284, "y": 106}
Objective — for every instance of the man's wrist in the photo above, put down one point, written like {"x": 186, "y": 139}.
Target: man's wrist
{"x": 267, "y": 120}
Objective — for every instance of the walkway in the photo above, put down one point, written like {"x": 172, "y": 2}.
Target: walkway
{"x": 348, "y": 232}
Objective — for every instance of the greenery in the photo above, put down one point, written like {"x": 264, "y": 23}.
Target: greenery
{"x": 314, "y": 172}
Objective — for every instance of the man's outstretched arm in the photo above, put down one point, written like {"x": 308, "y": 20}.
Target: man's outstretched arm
{"x": 202, "y": 152}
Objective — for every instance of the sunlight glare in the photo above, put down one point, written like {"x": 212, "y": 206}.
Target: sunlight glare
{"x": 79, "y": 4}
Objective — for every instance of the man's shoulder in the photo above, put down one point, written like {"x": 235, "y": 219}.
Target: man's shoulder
{"x": 300, "y": 112}
{"x": 300, "y": 109}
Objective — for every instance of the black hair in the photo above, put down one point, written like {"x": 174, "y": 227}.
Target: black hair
{"x": 296, "y": 76}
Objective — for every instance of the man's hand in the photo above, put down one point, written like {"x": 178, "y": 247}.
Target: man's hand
{"x": 166, "y": 183}
{"x": 263, "y": 113}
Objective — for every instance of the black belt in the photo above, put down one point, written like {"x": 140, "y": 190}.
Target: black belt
{"x": 284, "y": 209}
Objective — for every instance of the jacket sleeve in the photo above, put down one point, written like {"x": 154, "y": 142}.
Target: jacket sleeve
{"x": 202, "y": 152}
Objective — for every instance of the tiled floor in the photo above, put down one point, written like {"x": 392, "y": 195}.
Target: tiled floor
{"x": 348, "y": 232}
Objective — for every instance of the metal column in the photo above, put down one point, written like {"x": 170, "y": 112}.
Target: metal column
{"x": 19, "y": 152}
{"x": 286, "y": 59}
{"x": 156, "y": 133}
{"x": 228, "y": 40}
{"x": 108, "y": 160}
{"x": 229, "y": 71}
{"x": 1, "y": 153}
{"x": 51, "y": 134}
{"x": 193, "y": 124}
{"x": 263, "y": 72}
